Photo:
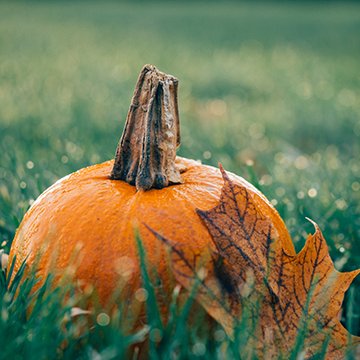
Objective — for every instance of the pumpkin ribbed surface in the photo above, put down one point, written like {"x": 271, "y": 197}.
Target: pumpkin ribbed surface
{"x": 88, "y": 220}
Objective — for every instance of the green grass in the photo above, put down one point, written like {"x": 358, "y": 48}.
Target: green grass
{"x": 269, "y": 90}
{"x": 42, "y": 325}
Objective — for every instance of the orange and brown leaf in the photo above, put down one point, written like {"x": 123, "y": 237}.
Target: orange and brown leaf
{"x": 291, "y": 295}
{"x": 192, "y": 271}
{"x": 294, "y": 289}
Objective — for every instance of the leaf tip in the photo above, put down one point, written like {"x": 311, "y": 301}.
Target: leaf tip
{"x": 316, "y": 226}
{"x": 224, "y": 173}
{"x": 200, "y": 212}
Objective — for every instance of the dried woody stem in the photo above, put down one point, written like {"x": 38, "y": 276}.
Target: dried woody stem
{"x": 146, "y": 153}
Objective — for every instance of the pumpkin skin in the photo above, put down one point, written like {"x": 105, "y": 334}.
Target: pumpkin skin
{"x": 90, "y": 217}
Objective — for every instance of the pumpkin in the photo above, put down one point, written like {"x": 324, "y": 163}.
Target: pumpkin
{"x": 87, "y": 219}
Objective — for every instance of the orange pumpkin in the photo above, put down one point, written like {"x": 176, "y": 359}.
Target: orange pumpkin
{"x": 88, "y": 217}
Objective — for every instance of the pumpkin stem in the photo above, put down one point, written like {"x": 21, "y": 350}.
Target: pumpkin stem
{"x": 145, "y": 155}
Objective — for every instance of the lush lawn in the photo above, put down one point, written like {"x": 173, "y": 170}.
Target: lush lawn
{"x": 270, "y": 91}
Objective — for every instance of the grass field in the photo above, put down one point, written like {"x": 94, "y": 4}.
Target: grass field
{"x": 272, "y": 91}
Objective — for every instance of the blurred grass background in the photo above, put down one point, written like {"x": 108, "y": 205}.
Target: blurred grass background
{"x": 270, "y": 90}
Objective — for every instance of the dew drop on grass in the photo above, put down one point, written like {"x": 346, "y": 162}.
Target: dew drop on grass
{"x": 64, "y": 159}
{"x": 219, "y": 335}
{"x": 265, "y": 180}
{"x": 355, "y": 186}
{"x": 341, "y": 204}
{"x": 30, "y": 336}
{"x": 207, "y": 155}
{"x": 141, "y": 295}
{"x": 199, "y": 349}
{"x": 155, "y": 335}
{"x": 274, "y": 202}
{"x": 300, "y": 195}
{"x": 301, "y": 162}
{"x": 290, "y": 206}
{"x": 4, "y": 315}
{"x": 312, "y": 192}
{"x": 103, "y": 319}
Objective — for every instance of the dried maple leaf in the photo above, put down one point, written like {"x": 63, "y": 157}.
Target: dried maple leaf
{"x": 292, "y": 298}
